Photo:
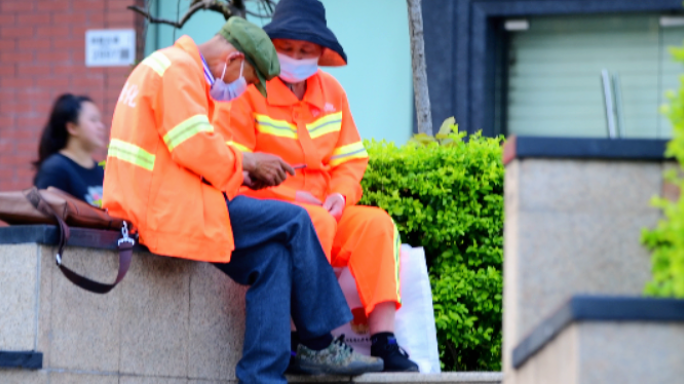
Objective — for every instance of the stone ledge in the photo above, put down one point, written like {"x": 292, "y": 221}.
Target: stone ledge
{"x": 414, "y": 378}
{"x": 65, "y": 376}
{"x": 446, "y": 377}
{"x": 48, "y": 235}
{"x": 597, "y": 309}
{"x": 518, "y": 147}
{"x": 171, "y": 321}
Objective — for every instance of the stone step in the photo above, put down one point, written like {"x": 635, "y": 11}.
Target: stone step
{"x": 604, "y": 339}
{"x": 414, "y": 378}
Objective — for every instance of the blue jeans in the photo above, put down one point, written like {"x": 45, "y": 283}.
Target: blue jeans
{"x": 278, "y": 255}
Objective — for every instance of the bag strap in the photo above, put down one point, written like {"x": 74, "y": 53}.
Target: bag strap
{"x": 125, "y": 246}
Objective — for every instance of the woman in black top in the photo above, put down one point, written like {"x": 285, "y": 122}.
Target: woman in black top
{"x": 65, "y": 155}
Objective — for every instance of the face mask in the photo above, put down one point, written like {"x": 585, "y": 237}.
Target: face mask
{"x": 221, "y": 91}
{"x": 295, "y": 71}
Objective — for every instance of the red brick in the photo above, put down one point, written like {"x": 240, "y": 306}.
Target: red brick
{"x": 69, "y": 69}
{"x": 43, "y": 108}
{"x": 26, "y": 123}
{"x": 6, "y": 121}
{"x": 27, "y": 169}
{"x": 69, "y": 43}
{"x": 78, "y": 56}
{"x": 127, "y": 17}
{"x": 7, "y": 95}
{"x": 7, "y": 19}
{"x": 7, "y": 107}
{"x": 15, "y": 108}
{"x": 18, "y": 134}
{"x": 7, "y": 6}
{"x": 119, "y": 74}
{"x": 7, "y": 70}
{"x": 6, "y": 174}
{"x": 84, "y": 5}
{"x": 17, "y": 159}
{"x": 120, "y": 24}
{"x": 14, "y": 82}
{"x": 55, "y": 5}
{"x": 34, "y": 96}
{"x": 35, "y": 18}
{"x": 32, "y": 44}
{"x": 53, "y": 56}
{"x": 113, "y": 93}
{"x": 16, "y": 31}
{"x": 16, "y": 57}
{"x": 117, "y": 5}
{"x": 53, "y": 31}
{"x": 95, "y": 20}
{"x": 25, "y": 176}
{"x": 77, "y": 17}
{"x": 33, "y": 69}
{"x": 7, "y": 44}
{"x": 96, "y": 71}
{"x": 82, "y": 81}
{"x": 78, "y": 31}
{"x": 15, "y": 185}
{"x": 61, "y": 82}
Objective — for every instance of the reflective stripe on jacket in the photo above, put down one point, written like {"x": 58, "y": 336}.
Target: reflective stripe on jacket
{"x": 318, "y": 131}
{"x": 166, "y": 167}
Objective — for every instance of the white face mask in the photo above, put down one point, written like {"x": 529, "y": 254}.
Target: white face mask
{"x": 221, "y": 91}
{"x": 295, "y": 71}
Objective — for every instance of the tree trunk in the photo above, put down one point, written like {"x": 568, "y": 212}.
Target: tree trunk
{"x": 420, "y": 85}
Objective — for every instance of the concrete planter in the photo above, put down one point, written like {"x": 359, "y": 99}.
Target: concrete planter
{"x": 605, "y": 340}
{"x": 574, "y": 213}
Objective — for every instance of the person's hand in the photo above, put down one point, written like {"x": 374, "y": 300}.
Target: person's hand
{"x": 246, "y": 180}
{"x": 335, "y": 204}
{"x": 251, "y": 184}
{"x": 268, "y": 169}
{"x": 307, "y": 198}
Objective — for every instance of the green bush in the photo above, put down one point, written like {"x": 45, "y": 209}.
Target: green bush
{"x": 448, "y": 199}
{"x": 666, "y": 241}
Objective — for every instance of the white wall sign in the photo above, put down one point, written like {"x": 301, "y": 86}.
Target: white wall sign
{"x": 110, "y": 47}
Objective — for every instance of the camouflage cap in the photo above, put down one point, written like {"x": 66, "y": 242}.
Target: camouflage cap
{"x": 257, "y": 47}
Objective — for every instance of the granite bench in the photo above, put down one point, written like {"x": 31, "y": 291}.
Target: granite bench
{"x": 170, "y": 321}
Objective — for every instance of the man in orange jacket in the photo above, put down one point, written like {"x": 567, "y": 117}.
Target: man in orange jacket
{"x": 171, "y": 175}
{"x": 305, "y": 119}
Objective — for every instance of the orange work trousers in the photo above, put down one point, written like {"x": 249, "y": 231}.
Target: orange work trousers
{"x": 365, "y": 240}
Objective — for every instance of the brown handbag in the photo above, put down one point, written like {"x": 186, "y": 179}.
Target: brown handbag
{"x": 53, "y": 206}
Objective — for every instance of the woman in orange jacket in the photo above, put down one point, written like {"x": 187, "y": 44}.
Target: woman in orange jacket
{"x": 305, "y": 119}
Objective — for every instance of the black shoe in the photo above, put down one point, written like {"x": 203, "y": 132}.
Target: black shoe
{"x": 292, "y": 368}
{"x": 395, "y": 358}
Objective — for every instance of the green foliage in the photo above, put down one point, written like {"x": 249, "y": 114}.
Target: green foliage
{"x": 666, "y": 241}
{"x": 446, "y": 195}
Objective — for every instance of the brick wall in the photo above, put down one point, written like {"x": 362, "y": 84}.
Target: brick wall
{"x": 42, "y": 54}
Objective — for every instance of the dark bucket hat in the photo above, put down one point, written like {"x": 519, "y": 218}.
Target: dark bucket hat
{"x": 305, "y": 20}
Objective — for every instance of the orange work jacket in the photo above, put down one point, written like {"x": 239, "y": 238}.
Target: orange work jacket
{"x": 318, "y": 131}
{"x": 166, "y": 167}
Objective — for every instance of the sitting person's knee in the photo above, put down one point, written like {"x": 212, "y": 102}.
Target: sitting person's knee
{"x": 377, "y": 217}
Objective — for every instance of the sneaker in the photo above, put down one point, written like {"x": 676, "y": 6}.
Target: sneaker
{"x": 337, "y": 359}
{"x": 394, "y": 357}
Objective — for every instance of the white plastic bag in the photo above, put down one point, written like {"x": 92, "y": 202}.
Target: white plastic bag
{"x": 415, "y": 321}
